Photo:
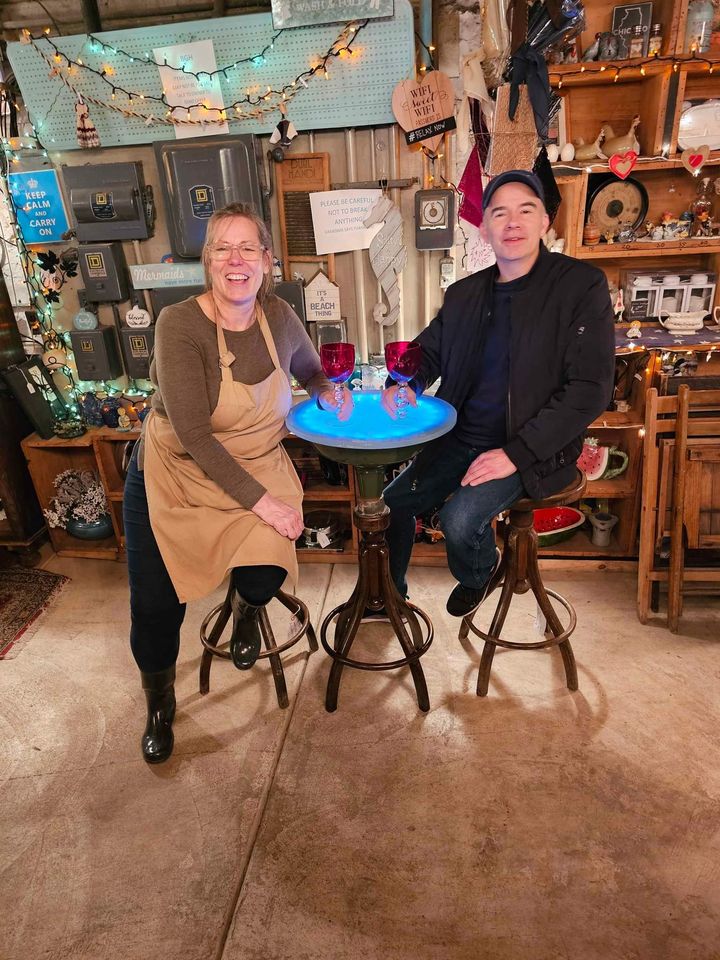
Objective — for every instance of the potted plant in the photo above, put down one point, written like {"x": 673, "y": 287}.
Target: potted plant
{"x": 80, "y": 506}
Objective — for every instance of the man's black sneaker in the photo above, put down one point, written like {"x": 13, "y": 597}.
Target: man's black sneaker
{"x": 465, "y": 600}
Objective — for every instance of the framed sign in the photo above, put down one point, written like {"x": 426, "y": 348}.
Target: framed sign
{"x": 40, "y": 208}
{"x": 624, "y": 20}
{"x": 304, "y": 13}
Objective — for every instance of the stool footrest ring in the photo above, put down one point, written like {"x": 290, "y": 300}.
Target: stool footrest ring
{"x": 387, "y": 665}
{"x": 538, "y": 644}
{"x": 303, "y": 624}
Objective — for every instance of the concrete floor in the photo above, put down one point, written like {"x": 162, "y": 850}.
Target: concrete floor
{"x": 533, "y": 825}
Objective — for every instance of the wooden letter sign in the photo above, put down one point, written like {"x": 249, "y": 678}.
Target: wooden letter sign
{"x": 322, "y": 299}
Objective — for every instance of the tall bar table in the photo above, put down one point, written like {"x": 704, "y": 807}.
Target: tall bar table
{"x": 370, "y": 440}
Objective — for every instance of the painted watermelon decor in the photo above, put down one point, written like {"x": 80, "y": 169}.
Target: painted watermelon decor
{"x": 554, "y": 524}
{"x": 593, "y": 459}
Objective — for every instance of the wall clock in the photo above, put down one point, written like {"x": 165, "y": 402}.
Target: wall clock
{"x": 618, "y": 203}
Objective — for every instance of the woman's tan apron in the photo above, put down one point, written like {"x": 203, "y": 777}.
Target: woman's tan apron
{"x": 202, "y": 532}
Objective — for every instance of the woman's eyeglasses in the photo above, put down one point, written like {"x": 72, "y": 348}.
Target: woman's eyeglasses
{"x": 223, "y": 251}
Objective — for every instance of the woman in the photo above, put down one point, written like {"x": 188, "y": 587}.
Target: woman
{"x": 209, "y": 488}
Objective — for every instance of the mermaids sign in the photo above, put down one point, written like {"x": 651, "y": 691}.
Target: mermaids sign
{"x": 40, "y": 208}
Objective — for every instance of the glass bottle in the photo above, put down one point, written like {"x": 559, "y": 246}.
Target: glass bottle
{"x": 702, "y": 209}
{"x": 636, "y": 42}
{"x": 655, "y": 41}
{"x": 699, "y": 26}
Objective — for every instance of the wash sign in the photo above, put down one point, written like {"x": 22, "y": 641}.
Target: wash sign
{"x": 40, "y": 208}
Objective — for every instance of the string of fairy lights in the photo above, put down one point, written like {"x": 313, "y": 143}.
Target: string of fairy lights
{"x": 44, "y": 305}
{"x": 615, "y": 70}
{"x": 254, "y": 104}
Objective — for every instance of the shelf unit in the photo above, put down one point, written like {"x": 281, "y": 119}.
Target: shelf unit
{"x": 97, "y": 450}
{"x": 338, "y": 499}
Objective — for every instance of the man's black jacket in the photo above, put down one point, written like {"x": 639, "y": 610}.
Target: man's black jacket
{"x": 562, "y": 361}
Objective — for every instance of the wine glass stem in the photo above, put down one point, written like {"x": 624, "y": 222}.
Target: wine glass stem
{"x": 338, "y": 394}
{"x": 402, "y": 401}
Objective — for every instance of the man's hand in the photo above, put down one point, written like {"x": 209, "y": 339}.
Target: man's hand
{"x": 491, "y": 465}
{"x": 328, "y": 402}
{"x": 389, "y": 399}
{"x": 279, "y": 516}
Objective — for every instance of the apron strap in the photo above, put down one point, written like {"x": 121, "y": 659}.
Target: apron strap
{"x": 226, "y": 358}
{"x": 269, "y": 342}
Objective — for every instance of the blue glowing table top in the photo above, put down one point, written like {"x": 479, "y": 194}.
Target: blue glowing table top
{"x": 369, "y": 427}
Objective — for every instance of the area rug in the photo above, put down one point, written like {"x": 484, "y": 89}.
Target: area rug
{"x": 24, "y": 594}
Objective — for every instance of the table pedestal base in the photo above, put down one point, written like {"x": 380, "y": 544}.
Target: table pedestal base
{"x": 375, "y": 590}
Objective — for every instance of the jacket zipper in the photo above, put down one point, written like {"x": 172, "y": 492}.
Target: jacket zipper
{"x": 508, "y": 407}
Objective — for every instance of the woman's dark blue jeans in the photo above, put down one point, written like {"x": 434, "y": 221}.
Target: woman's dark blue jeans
{"x": 156, "y": 612}
{"x": 465, "y": 519}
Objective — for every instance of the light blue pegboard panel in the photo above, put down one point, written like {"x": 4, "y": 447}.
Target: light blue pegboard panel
{"x": 357, "y": 94}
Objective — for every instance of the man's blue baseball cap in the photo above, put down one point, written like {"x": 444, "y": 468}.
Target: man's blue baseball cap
{"x": 527, "y": 177}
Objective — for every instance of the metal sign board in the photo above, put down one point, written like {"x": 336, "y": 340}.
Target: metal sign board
{"x": 305, "y": 13}
{"x": 40, "y": 208}
{"x": 150, "y": 276}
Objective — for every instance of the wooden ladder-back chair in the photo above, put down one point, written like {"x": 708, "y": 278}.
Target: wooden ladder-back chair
{"x": 680, "y": 495}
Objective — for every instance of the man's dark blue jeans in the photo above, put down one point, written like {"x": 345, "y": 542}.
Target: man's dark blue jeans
{"x": 465, "y": 519}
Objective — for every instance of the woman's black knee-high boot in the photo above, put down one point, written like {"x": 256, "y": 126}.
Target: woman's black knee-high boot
{"x": 158, "y": 738}
{"x": 245, "y": 640}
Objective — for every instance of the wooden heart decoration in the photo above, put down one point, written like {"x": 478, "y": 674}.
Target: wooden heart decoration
{"x": 622, "y": 163}
{"x": 694, "y": 157}
{"x": 425, "y": 108}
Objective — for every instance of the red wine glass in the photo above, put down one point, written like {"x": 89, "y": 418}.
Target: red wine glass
{"x": 338, "y": 363}
{"x": 402, "y": 359}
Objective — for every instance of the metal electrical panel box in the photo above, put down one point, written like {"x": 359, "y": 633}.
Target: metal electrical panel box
{"x": 291, "y": 291}
{"x": 167, "y": 296}
{"x": 107, "y": 201}
{"x": 202, "y": 175}
{"x": 104, "y": 272}
{"x": 96, "y": 354}
{"x": 137, "y": 346}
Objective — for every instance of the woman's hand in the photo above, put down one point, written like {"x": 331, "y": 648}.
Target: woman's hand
{"x": 279, "y": 516}
{"x": 328, "y": 402}
{"x": 389, "y": 399}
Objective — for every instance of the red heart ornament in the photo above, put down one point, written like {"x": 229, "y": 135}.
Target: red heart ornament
{"x": 694, "y": 157}
{"x": 622, "y": 163}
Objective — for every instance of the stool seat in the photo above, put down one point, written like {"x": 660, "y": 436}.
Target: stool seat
{"x": 519, "y": 572}
{"x": 223, "y": 612}
{"x": 573, "y": 491}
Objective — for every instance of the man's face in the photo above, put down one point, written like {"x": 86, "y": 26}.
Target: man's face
{"x": 514, "y": 222}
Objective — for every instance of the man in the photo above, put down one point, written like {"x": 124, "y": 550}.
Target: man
{"x": 525, "y": 353}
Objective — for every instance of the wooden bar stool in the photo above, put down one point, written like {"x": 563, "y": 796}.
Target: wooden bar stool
{"x": 223, "y": 612}
{"x": 519, "y": 573}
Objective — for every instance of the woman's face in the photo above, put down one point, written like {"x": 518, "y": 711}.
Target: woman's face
{"x": 237, "y": 261}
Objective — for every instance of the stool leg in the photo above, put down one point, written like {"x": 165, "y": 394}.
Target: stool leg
{"x": 275, "y": 661}
{"x": 346, "y": 628}
{"x": 311, "y": 638}
{"x": 498, "y": 621}
{"x": 396, "y": 607}
{"x": 566, "y": 651}
{"x": 215, "y": 634}
{"x": 295, "y": 607}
